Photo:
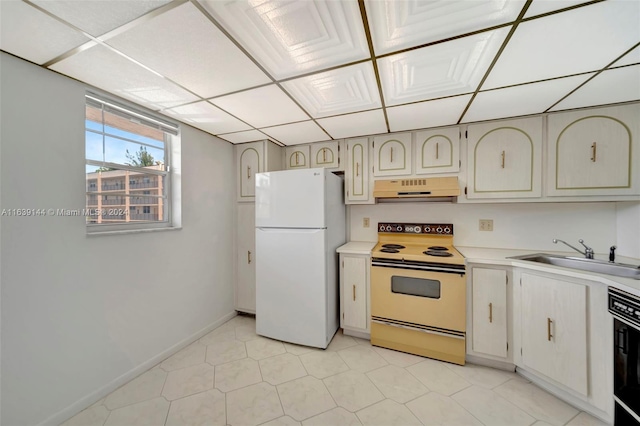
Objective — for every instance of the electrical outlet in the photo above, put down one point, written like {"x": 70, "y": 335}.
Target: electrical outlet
{"x": 365, "y": 222}
{"x": 486, "y": 224}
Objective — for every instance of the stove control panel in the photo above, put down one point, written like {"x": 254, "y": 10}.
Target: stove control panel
{"x": 417, "y": 228}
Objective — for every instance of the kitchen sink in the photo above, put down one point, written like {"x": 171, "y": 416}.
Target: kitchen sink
{"x": 590, "y": 265}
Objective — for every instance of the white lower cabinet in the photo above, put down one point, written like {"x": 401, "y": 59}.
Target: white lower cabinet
{"x": 355, "y": 312}
{"x": 489, "y": 312}
{"x": 245, "y": 294}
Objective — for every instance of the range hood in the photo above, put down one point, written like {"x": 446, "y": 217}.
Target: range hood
{"x": 417, "y": 189}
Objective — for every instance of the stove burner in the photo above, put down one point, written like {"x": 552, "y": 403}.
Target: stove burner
{"x": 437, "y": 253}
{"x": 393, "y": 246}
{"x": 437, "y": 248}
{"x": 389, "y": 250}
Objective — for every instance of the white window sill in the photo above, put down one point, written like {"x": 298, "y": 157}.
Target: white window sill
{"x": 132, "y": 231}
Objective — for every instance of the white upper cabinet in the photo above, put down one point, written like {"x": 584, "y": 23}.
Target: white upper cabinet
{"x": 392, "y": 155}
{"x": 590, "y": 152}
{"x": 504, "y": 159}
{"x": 358, "y": 185}
{"x": 326, "y": 154}
{"x": 252, "y": 158}
{"x": 296, "y": 157}
{"x": 437, "y": 151}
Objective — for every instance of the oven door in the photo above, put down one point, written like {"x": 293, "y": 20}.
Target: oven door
{"x": 626, "y": 369}
{"x": 435, "y": 299}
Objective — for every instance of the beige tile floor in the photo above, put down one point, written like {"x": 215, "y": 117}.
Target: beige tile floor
{"x": 232, "y": 376}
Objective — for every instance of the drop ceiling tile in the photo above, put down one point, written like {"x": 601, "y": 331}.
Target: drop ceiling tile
{"x": 439, "y": 112}
{"x": 207, "y": 117}
{"x": 357, "y": 124}
{"x": 99, "y": 17}
{"x": 398, "y": 25}
{"x": 290, "y": 38}
{"x": 527, "y": 99}
{"x": 445, "y": 69}
{"x": 611, "y": 86}
{"x": 538, "y": 7}
{"x": 297, "y": 133}
{"x": 262, "y": 107}
{"x": 579, "y": 40}
{"x": 339, "y": 91}
{"x": 109, "y": 71}
{"x": 194, "y": 54}
{"x": 33, "y": 35}
{"x": 241, "y": 137}
{"x": 632, "y": 57}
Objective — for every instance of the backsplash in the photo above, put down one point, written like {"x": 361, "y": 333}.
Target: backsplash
{"x": 529, "y": 226}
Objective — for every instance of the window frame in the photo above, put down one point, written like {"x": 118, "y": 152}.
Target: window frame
{"x": 171, "y": 132}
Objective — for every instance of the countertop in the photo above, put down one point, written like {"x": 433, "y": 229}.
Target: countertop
{"x": 357, "y": 247}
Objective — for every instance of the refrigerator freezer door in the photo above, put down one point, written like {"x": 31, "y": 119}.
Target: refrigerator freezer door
{"x": 291, "y": 199}
{"x": 291, "y": 290}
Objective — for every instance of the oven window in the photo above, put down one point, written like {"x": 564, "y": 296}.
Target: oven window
{"x": 627, "y": 365}
{"x": 422, "y": 287}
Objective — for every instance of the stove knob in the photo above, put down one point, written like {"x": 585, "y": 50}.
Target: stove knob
{"x": 381, "y": 228}
{"x": 447, "y": 230}
{"x": 439, "y": 230}
{"x": 417, "y": 230}
{"x": 399, "y": 228}
{"x": 427, "y": 229}
{"x": 388, "y": 228}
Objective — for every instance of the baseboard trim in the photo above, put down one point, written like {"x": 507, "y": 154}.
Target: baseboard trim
{"x": 354, "y": 333}
{"x": 97, "y": 395}
{"x": 500, "y": 365}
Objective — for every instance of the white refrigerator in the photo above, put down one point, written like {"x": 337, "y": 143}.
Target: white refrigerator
{"x": 300, "y": 222}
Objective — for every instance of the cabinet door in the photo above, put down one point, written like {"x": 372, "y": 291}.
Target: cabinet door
{"x": 249, "y": 160}
{"x": 437, "y": 151}
{"x": 297, "y": 157}
{"x": 554, "y": 330}
{"x": 245, "y": 261}
{"x": 325, "y": 154}
{"x": 590, "y": 152}
{"x": 489, "y": 311}
{"x": 354, "y": 294}
{"x": 392, "y": 155}
{"x": 505, "y": 159}
{"x": 357, "y": 185}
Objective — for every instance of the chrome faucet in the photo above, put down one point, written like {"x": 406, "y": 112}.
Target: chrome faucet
{"x": 588, "y": 251}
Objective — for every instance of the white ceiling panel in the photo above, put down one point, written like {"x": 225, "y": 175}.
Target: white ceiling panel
{"x": 242, "y": 137}
{"x": 28, "y": 33}
{"x": 262, "y": 107}
{"x": 579, "y": 40}
{"x": 445, "y": 69}
{"x": 527, "y": 99}
{"x": 440, "y": 112}
{"x": 357, "y": 124}
{"x": 99, "y": 17}
{"x": 611, "y": 86}
{"x": 538, "y": 7}
{"x": 109, "y": 71}
{"x": 207, "y": 117}
{"x": 297, "y": 133}
{"x": 194, "y": 54}
{"x": 398, "y": 25}
{"x": 339, "y": 91}
{"x": 632, "y": 57}
{"x": 290, "y": 38}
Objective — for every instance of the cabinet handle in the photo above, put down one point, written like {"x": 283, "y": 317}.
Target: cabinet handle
{"x": 357, "y": 169}
{"x": 549, "y": 335}
{"x": 436, "y": 150}
{"x": 296, "y": 158}
{"x": 490, "y": 312}
{"x": 248, "y": 172}
{"x": 593, "y": 152}
{"x": 354, "y": 293}
{"x": 503, "y": 159}
{"x": 248, "y": 256}
{"x": 324, "y": 155}
{"x": 392, "y": 154}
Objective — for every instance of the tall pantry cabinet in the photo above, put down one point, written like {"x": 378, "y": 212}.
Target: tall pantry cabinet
{"x": 251, "y": 158}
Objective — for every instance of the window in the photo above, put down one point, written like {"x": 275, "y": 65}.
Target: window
{"x": 128, "y": 154}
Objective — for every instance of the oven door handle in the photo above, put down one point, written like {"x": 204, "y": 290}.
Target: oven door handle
{"x": 621, "y": 336}
{"x": 422, "y": 330}
{"x": 426, "y": 268}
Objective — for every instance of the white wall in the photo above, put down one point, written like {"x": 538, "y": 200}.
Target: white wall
{"x": 80, "y": 312}
{"x": 515, "y": 225}
{"x": 628, "y": 215}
